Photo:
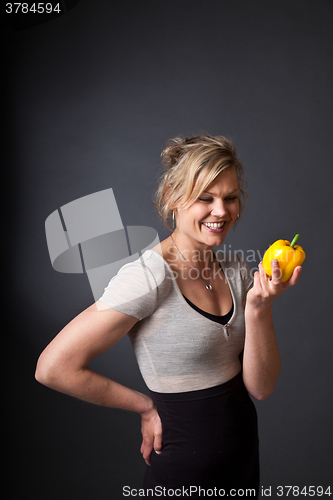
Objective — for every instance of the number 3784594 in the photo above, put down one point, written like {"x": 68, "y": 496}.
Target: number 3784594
{"x": 299, "y": 491}
{"x": 34, "y": 8}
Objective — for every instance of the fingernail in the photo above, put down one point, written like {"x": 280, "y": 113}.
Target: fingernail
{"x": 158, "y": 452}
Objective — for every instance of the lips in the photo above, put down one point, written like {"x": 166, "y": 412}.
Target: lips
{"x": 214, "y": 227}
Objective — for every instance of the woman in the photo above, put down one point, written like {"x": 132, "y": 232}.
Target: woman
{"x": 186, "y": 310}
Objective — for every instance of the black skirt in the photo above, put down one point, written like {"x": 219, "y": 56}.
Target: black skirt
{"x": 210, "y": 442}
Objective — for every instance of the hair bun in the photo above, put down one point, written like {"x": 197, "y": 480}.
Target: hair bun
{"x": 173, "y": 152}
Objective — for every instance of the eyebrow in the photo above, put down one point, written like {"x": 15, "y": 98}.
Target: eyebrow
{"x": 230, "y": 192}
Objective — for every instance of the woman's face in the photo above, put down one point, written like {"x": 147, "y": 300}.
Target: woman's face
{"x": 208, "y": 220}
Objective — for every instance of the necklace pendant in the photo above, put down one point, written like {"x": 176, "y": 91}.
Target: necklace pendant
{"x": 209, "y": 287}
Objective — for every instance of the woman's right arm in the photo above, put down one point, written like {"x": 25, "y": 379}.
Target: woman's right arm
{"x": 63, "y": 366}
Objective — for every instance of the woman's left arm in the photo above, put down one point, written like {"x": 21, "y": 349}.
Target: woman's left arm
{"x": 261, "y": 358}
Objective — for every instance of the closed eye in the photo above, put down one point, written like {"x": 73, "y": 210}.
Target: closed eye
{"x": 210, "y": 200}
{"x": 207, "y": 200}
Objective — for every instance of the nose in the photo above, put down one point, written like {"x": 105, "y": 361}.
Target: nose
{"x": 219, "y": 209}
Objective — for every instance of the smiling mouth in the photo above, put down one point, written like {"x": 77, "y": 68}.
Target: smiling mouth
{"x": 214, "y": 225}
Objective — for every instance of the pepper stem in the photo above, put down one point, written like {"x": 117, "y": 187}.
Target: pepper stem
{"x": 293, "y": 243}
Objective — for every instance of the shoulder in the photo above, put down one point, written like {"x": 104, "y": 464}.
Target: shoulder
{"x": 165, "y": 249}
{"x": 152, "y": 259}
{"x": 138, "y": 287}
{"x": 149, "y": 269}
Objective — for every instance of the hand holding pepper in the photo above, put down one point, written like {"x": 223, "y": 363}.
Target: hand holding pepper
{"x": 279, "y": 270}
{"x": 287, "y": 254}
{"x": 261, "y": 359}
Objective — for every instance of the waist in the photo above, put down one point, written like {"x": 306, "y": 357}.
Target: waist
{"x": 234, "y": 383}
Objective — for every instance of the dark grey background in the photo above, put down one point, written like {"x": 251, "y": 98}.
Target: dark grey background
{"x": 93, "y": 96}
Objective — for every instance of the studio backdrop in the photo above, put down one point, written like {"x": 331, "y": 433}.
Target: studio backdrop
{"x": 93, "y": 93}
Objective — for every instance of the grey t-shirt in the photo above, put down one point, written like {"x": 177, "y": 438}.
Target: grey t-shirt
{"x": 177, "y": 348}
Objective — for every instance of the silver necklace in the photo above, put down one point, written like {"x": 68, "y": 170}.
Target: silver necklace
{"x": 209, "y": 287}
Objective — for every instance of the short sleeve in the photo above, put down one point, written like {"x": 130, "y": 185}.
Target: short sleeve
{"x": 133, "y": 290}
{"x": 246, "y": 276}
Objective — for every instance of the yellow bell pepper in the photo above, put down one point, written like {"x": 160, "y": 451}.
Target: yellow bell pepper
{"x": 288, "y": 255}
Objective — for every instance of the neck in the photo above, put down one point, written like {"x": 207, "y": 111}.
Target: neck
{"x": 197, "y": 254}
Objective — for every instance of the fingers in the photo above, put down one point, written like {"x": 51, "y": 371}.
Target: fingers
{"x": 151, "y": 429}
{"x": 158, "y": 443}
{"x": 148, "y": 446}
{"x": 276, "y": 272}
{"x": 257, "y": 278}
{"x": 275, "y": 279}
{"x": 267, "y": 286}
{"x": 146, "y": 449}
{"x": 263, "y": 281}
{"x": 295, "y": 276}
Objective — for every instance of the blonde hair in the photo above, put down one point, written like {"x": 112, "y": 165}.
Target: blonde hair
{"x": 189, "y": 166}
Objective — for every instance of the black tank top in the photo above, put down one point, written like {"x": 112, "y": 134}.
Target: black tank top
{"x": 223, "y": 320}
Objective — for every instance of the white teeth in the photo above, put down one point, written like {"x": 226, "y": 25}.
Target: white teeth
{"x": 214, "y": 225}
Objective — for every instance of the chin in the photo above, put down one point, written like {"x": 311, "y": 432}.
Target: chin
{"x": 215, "y": 238}
{"x": 215, "y": 241}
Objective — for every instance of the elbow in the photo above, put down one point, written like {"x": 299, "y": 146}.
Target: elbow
{"x": 53, "y": 372}
{"x": 263, "y": 393}
{"x": 41, "y": 374}
{"x": 261, "y": 387}
{"x": 45, "y": 372}
{"x": 261, "y": 396}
